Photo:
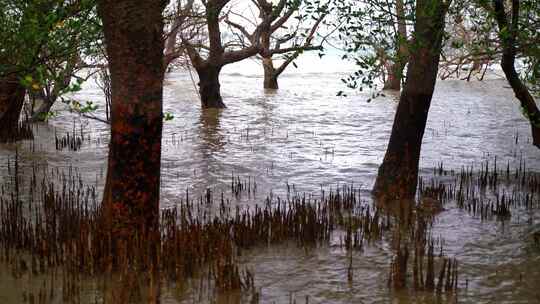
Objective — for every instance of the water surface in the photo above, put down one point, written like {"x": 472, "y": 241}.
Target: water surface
{"x": 305, "y": 135}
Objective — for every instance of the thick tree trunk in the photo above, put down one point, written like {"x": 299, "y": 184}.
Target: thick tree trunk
{"x": 270, "y": 75}
{"x": 209, "y": 87}
{"x": 508, "y": 34}
{"x": 398, "y": 174}
{"x": 134, "y": 42}
{"x": 11, "y": 103}
{"x": 133, "y": 33}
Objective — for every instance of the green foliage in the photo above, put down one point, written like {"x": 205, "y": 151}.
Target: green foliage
{"x": 45, "y": 116}
{"x": 87, "y": 107}
{"x": 168, "y": 116}
{"x": 45, "y": 40}
{"x": 368, "y": 30}
{"x": 528, "y": 41}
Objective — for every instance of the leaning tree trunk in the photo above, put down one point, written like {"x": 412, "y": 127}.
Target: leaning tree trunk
{"x": 134, "y": 43}
{"x": 270, "y": 74}
{"x": 508, "y": 34}
{"x": 398, "y": 174}
{"x": 525, "y": 98}
{"x": 11, "y": 103}
{"x": 209, "y": 87}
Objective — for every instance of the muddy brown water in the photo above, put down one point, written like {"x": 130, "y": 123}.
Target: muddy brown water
{"x": 306, "y": 136}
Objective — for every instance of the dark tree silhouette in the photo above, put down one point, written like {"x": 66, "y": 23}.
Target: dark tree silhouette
{"x": 508, "y": 33}
{"x": 11, "y": 101}
{"x": 209, "y": 68}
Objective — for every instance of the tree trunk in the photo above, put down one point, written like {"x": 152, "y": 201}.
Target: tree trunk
{"x": 270, "y": 75}
{"x": 477, "y": 64}
{"x": 209, "y": 87}
{"x": 393, "y": 81}
{"x": 508, "y": 34}
{"x": 134, "y": 43}
{"x": 43, "y": 109}
{"x": 11, "y": 103}
{"x": 395, "y": 70}
{"x": 525, "y": 98}
{"x": 398, "y": 174}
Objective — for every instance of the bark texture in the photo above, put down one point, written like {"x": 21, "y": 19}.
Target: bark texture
{"x": 11, "y": 102}
{"x": 508, "y": 32}
{"x": 270, "y": 74}
{"x": 133, "y": 35}
{"x": 398, "y": 174}
{"x": 209, "y": 87}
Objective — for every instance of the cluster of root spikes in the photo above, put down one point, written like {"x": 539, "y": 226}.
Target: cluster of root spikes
{"x": 239, "y": 186}
{"x": 489, "y": 192}
{"x": 71, "y": 141}
{"x": 414, "y": 247}
{"x": 53, "y": 225}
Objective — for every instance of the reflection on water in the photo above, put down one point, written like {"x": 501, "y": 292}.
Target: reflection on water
{"x": 212, "y": 142}
{"x": 303, "y": 134}
{"x": 212, "y": 138}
